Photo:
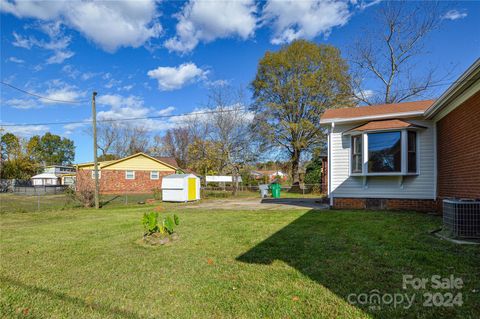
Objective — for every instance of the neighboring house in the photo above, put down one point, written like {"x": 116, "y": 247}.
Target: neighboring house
{"x": 270, "y": 174}
{"x": 54, "y": 175}
{"x": 406, "y": 155}
{"x": 138, "y": 173}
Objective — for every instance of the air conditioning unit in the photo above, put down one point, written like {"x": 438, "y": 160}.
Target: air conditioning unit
{"x": 461, "y": 218}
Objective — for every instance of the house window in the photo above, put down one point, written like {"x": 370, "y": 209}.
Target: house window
{"x": 384, "y": 152}
{"x": 357, "y": 154}
{"x": 99, "y": 174}
{"x": 154, "y": 175}
{"x": 129, "y": 174}
{"x": 412, "y": 151}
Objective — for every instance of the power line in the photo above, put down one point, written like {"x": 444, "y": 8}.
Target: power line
{"x": 128, "y": 119}
{"x": 39, "y": 96}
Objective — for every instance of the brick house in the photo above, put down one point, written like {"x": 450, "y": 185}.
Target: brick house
{"x": 138, "y": 173}
{"x": 407, "y": 155}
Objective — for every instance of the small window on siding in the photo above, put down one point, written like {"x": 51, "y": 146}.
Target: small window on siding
{"x": 357, "y": 154}
{"x": 129, "y": 174}
{"x": 99, "y": 174}
{"x": 154, "y": 175}
{"x": 412, "y": 152}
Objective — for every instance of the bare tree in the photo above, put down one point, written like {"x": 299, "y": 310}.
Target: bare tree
{"x": 387, "y": 53}
{"x": 119, "y": 139}
{"x": 107, "y": 134}
{"x": 174, "y": 143}
{"x": 230, "y": 129}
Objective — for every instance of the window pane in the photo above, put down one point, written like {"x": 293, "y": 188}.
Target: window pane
{"x": 412, "y": 152}
{"x": 357, "y": 154}
{"x": 412, "y": 162}
{"x": 412, "y": 141}
{"x": 384, "y": 152}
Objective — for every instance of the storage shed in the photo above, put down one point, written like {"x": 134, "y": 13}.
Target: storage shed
{"x": 180, "y": 188}
{"x": 45, "y": 179}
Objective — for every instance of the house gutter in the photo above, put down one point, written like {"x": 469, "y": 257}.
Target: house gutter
{"x": 371, "y": 117}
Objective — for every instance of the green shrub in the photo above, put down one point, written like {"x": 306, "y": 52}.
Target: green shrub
{"x": 176, "y": 219}
{"x": 157, "y": 193}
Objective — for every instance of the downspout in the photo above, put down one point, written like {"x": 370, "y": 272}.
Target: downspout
{"x": 329, "y": 173}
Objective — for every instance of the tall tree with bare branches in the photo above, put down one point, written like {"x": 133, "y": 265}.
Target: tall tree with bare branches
{"x": 388, "y": 51}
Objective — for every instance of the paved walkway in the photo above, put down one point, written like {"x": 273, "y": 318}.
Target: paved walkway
{"x": 260, "y": 204}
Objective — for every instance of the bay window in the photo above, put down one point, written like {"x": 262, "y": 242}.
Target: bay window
{"x": 412, "y": 152}
{"x": 357, "y": 154}
{"x": 384, "y": 153}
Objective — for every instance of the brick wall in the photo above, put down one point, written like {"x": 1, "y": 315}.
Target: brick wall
{"x": 114, "y": 182}
{"x": 421, "y": 205}
{"x": 458, "y": 151}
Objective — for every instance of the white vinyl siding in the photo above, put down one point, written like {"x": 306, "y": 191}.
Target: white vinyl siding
{"x": 419, "y": 186}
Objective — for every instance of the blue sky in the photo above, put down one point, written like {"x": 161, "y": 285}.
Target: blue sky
{"x": 149, "y": 58}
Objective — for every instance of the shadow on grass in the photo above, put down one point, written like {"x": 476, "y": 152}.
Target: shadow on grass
{"x": 360, "y": 252}
{"x": 63, "y": 297}
{"x": 313, "y": 203}
{"x": 106, "y": 202}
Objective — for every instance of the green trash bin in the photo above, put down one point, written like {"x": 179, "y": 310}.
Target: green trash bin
{"x": 275, "y": 187}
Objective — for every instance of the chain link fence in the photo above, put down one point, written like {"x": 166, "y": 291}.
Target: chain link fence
{"x": 43, "y": 198}
{"x": 286, "y": 191}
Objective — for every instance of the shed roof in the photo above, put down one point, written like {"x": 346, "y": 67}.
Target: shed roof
{"x": 376, "y": 111}
{"x": 178, "y": 176}
{"x": 44, "y": 176}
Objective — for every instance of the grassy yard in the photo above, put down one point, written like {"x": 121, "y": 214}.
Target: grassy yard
{"x": 10, "y": 202}
{"x": 226, "y": 264}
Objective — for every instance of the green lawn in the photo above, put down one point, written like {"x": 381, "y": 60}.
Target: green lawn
{"x": 10, "y": 202}
{"x": 226, "y": 264}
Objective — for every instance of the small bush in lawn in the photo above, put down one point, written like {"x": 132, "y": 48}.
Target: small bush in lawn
{"x": 157, "y": 193}
{"x": 85, "y": 196}
{"x": 156, "y": 232}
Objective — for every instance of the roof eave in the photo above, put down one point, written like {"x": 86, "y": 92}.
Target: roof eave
{"x": 371, "y": 117}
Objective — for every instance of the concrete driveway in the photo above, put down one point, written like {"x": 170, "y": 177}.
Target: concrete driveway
{"x": 260, "y": 204}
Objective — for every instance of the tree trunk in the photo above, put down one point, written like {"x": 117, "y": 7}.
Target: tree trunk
{"x": 235, "y": 182}
{"x": 295, "y": 159}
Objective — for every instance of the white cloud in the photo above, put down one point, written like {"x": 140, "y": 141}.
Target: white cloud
{"x": 66, "y": 93}
{"x": 454, "y": 15}
{"x": 57, "y": 90}
{"x": 166, "y": 111}
{"x": 27, "y": 130}
{"x": 16, "y": 60}
{"x": 171, "y": 78}
{"x": 109, "y": 24}
{"x": 71, "y": 128}
{"x": 122, "y": 108}
{"x": 292, "y": 19}
{"x": 23, "y": 104}
{"x": 205, "y": 21}
{"x": 59, "y": 56}
{"x": 58, "y": 43}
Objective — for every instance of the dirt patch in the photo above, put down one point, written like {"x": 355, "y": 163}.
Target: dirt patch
{"x": 260, "y": 204}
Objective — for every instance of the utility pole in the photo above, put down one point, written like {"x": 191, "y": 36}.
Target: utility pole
{"x": 95, "y": 160}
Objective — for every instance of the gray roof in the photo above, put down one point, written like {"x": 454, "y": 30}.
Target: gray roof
{"x": 178, "y": 175}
